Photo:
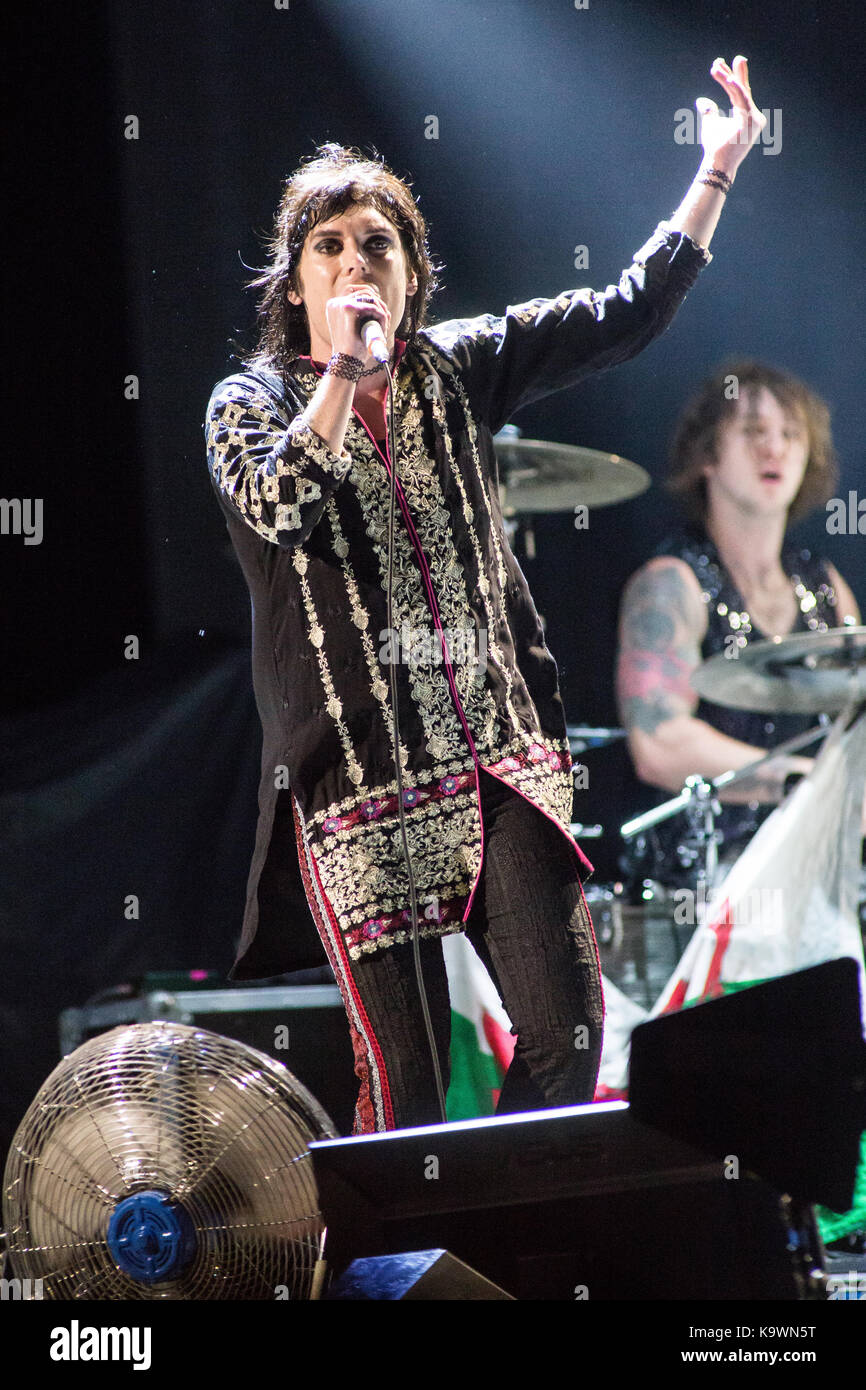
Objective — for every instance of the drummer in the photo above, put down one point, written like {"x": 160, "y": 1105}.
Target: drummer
{"x": 752, "y": 454}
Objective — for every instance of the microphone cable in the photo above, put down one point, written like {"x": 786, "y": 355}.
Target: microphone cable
{"x": 390, "y": 451}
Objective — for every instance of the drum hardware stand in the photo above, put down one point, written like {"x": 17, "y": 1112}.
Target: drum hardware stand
{"x": 701, "y": 843}
{"x": 602, "y": 899}
{"x": 581, "y": 737}
{"x": 699, "y": 800}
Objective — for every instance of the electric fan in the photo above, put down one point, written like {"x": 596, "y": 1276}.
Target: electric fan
{"x": 160, "y": 1161}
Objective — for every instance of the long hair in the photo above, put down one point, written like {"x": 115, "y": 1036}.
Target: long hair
{"x": 330, "y": 181}
{"x": 696, "y": 434}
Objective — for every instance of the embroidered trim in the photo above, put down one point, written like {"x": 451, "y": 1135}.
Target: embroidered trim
{"x": 353, "y": 845}
{"x": 379, "y": 687}
{"x": 316, "y": 634}
{"x": 374, "y": 1109}
{"x": 304, "y": 437}
{"x": 443, "y": 732}
{"x": 395, "y": 928}
{"x": 482, "y": 737}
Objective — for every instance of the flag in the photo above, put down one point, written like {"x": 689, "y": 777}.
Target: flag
{"x": 482, "y": 1043}
{"x": 791, "y": 899}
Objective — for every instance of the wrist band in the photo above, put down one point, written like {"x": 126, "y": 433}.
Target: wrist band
{"x": 352, "y": 368}
{"x": 714, "y": 183}
{"x": 342, "y": 364}
{"x": 790, "y": 782}
{"x": 720, "y": 174}
{"x": 717, "y": 178}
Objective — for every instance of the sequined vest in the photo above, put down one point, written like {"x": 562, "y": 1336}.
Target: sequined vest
{"x": 727, "y": 618}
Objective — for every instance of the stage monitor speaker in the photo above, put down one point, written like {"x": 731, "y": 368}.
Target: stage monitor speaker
{"x": 774, "y": 1075}
{"x": 584, "y": 1202}
{"x": 734, "y": 1102}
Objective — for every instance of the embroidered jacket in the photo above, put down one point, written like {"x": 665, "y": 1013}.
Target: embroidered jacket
{"x": 477, "y": 685}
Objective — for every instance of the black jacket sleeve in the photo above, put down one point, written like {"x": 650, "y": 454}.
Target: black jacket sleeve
{"x": 548, "y": 344}
{"x": 272, "y": 471}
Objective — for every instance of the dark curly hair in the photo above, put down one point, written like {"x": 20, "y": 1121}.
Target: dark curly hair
{"x": 696, "y": 433}
{"x": 332, "y": 180}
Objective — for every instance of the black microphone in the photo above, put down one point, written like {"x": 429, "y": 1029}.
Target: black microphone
{"x": 374, "y": 339}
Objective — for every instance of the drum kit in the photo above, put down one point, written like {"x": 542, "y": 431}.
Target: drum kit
{"x": 811, "y": 673}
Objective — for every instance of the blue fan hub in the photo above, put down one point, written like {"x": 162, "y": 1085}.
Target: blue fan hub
{"x": 150, "y": 1237}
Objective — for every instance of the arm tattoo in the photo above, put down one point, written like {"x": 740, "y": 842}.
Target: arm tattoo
{"x": 656, "y": 659}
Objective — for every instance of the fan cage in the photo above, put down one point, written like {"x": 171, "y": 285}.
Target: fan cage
{"x": 215, "y": 1129}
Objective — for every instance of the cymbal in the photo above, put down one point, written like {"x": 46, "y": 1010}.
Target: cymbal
{"x": 540, "y": 476}
{"x": 808, "y": 673}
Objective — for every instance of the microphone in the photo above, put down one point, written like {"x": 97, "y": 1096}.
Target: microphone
{"x": 374, "y": 340}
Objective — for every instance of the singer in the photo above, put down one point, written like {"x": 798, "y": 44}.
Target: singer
{"x": 300, "y": 457}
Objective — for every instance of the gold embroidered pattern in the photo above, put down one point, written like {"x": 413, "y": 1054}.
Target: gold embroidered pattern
{"x": 363, "y": 870}
{"x": 404, "y": 934}
{"x": 359, "y": 856}
{"x": 247, "y": 466}
{"x": 316, "y": 634}
{"x": 379, "y": 687}
{"x": 483, "y": 582}
{"x": 444, "y": 736}
{"x": 540, "y": 768}
{"x": 424, "y": 495}
{"x": 314, "y": 447}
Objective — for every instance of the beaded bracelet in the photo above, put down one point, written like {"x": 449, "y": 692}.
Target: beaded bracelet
{"x": 344, "y": 365}
{"x": 352, "y": 368}
{"x": 717, "y": 178}
{"x": 720, "y": 174}
{"x": 712, "y": 182}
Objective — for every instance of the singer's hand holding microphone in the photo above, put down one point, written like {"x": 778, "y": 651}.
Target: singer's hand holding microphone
{"x": 358, "y": 322}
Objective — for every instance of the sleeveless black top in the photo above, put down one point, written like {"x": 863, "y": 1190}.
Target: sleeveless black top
{"x": 727, "y": 618}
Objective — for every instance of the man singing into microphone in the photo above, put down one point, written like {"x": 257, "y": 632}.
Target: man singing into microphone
{"x": 300, "y": 456}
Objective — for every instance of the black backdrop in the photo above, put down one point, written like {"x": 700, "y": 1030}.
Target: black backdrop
{"x": 555, "y": 129}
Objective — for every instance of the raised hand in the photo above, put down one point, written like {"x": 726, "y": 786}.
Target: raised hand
{"x": 727, "y": 139}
